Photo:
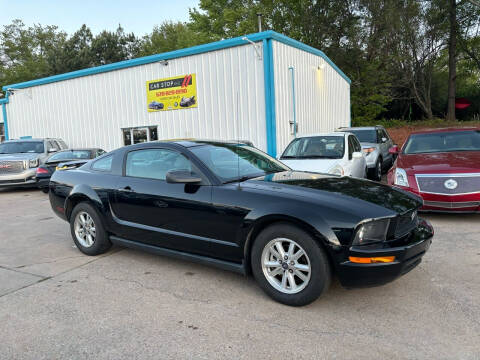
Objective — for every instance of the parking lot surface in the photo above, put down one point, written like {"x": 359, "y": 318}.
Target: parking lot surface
{"x": 56, "y": 302}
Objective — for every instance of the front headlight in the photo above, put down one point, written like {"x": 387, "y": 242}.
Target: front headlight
{"x": 33, "y": 163}
{"x": 401, "y": 177}
{"x": 336, "y": 170}
{"x": 371, "y": 232}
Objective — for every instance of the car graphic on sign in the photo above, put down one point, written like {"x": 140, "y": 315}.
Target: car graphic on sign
{"x": 187, "y": 101}
{"x": 155, "y": 105}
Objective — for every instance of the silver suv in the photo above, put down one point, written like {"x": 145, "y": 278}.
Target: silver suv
{"x": 19, "y": 159}
{"x": 375, "y": 143}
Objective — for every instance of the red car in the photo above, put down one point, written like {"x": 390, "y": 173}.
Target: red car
{"x": 442, "y": 166}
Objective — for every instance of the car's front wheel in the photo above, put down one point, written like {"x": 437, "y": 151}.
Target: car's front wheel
{"x": 289, "y": 265}
{"x": 87, "y": 230}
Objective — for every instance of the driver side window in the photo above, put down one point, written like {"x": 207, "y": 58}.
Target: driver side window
{"x": 155, "y": 163}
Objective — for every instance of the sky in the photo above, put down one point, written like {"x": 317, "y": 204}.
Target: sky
{"x": 138, "y": 16}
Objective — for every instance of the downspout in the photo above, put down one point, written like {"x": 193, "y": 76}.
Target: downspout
{"x": 292, "y": 71}
{"x": 269, "y": 87}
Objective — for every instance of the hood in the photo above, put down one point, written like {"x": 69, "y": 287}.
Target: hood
{"x": 446, "y": 162}
{"x": 349, "y": 193}
{"x": 368, "y": 145}
{"x": 314, "y": 165}
{"x": 19, "y": 156}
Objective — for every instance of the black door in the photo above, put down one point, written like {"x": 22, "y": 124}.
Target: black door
{"x": 152, "y": 211}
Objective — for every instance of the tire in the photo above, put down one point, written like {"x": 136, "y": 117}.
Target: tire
{"x": 377, "y": 172}
{"x": 315, "y": 281}
{"x": 95, "y": 244}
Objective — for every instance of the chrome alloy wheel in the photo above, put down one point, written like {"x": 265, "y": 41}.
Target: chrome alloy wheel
{"x": 286, "y": 265}
{"x": 84, "y": 229}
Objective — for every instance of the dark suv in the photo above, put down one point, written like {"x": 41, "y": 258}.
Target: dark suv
{"x": 20, "y": 158}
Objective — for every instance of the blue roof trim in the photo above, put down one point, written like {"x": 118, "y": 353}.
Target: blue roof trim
{"x": 299, "y": 45}
{"x": 218, "y": 45}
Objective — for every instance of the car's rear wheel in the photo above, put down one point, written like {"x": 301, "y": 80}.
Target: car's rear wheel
{"x": 87, "y": 230}
{"x": 289, "y": 265}
{"x": 378, "y": 170}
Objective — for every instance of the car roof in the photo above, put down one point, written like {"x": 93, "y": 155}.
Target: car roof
{"x": 442, "y": 130}
{"x": 336, "y": 133}
{"x": 31, "y": 139}
{"x": 79, "y": 149}
{"x": 361, "y": 128}
{"x": 195, "y": 142}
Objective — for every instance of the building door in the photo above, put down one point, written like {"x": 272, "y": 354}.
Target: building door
{"x": 138, "y": 135}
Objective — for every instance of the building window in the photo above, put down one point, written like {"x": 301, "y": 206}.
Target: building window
{"x": 139, "y": 135}
{"x": 2, "y": 133}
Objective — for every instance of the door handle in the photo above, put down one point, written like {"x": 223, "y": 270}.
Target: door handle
{"x": 126, "y": 189}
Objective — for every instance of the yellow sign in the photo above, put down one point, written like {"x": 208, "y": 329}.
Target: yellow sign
{"x": 179, "y": 92}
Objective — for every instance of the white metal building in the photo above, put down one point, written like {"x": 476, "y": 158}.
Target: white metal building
{"x": 263, "y": 87}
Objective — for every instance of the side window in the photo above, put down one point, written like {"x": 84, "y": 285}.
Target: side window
{"x": 62, "y": 144}
{"x": 155, "y": 163}
{"x": 379, "y": 136}
{"x": 104, "y": 164}
{"x": 351, "y": 147}
{"x": 385, "y": 134}
{"x": 53, "y": 145}
{"x": 358, "y": 147}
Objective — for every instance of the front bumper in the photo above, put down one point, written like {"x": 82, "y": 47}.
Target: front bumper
{"x": 407, "y": 257}
{"x": 25, "y": 178}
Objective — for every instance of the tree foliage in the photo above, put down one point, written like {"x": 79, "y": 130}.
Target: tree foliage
{"x": 395, "y": 51}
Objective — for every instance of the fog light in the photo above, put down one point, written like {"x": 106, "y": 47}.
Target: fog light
{"x": 371, "y": 260}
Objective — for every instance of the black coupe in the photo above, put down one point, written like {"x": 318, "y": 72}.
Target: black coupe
{"x": 232, "y": 206}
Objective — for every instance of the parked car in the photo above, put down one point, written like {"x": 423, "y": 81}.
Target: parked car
{"x": 233, "y": 206}
{"x": 187, "y": 101}
{"x": 155, "y": 105}
{"x": 442, "y": 166}
{"x": 337, "y": 153}
{"x": 19, "y": 159}
{"x": 376, "y": 143}
{"x": 65, "y": 159}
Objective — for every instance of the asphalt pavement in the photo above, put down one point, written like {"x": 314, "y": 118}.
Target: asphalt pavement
{"x": 56, "y": 303}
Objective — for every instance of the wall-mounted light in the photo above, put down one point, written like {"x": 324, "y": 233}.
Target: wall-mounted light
{"x": 164, "y": 62}
{"x": 321, "y": 67}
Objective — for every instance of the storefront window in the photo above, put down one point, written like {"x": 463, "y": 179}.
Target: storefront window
{"x": 127, "y": 137}
{"x": 139, "y": 135}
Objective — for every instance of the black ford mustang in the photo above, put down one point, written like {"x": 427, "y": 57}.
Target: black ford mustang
{"x": 230, "y": 205}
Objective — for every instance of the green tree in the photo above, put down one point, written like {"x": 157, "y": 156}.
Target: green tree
{"x": 109, "y": 47}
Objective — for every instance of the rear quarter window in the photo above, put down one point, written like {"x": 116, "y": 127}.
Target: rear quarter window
{"x": 103, "y": 164}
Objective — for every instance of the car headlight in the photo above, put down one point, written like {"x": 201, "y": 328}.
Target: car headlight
{"x": 336, "y": 170}
{"x": 371, "y": 232}
{"x": 33, "y": 163}
{"x": 368, "y": 151}
{"x": 400, "y": 177}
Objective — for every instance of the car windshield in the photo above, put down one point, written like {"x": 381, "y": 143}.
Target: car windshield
{"x": 365, "y": 136}
{"x": 316, "y": 147}
{"x": 443, "y": 142}
{"x": 16, "y": 147}
{"x": 70, "y": 155}
{"x": 232, "y": 162}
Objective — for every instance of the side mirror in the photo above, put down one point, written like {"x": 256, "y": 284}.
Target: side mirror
{"x": 393, "y": 149}
{"x": 384, "y": 139}
{"x": 182, "y": 177}
{"x": 357, "y": 155}
{"x": 52, "y": 150}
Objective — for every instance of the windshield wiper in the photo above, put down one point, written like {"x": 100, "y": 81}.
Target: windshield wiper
{"x": 243, "y": 178}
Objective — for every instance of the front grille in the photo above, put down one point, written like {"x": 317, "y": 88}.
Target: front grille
{"x": 402, "y": 225}
{"x": 439, "y": 184}
{"x": 452, "y": 204}
{"x": 11, "y": 167}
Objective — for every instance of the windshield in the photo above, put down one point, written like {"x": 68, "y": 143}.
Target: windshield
{"x": 443, "y": 142}
{"x": 231, "y": 162}
{"x": 317, "y": 147}
{"x": 70, "y": 155}
{"x": 16, "y": 147}
{"x": 365, "y": 136}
